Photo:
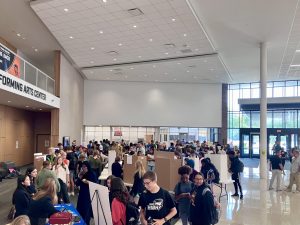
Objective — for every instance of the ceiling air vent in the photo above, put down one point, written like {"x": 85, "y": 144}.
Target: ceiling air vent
{"x": 112, "y": 53}
{"x": 185, "y": 51}
{"x": 135, "y": 12}
{"x": 169, "y": 45}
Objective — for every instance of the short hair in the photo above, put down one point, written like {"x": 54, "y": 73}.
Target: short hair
{"x": 184, "y": 170}
{"x": 150, "y": 175}
{"x": 46, "y": 163}
{"x": 21, "y": 220}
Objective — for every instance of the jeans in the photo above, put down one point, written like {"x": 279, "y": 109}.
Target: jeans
{"x": 184, "y": 218}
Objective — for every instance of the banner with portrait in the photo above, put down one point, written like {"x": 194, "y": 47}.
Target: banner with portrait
{"x": 9, "y": 62}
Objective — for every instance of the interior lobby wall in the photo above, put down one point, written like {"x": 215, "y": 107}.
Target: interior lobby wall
{"x": 16, "y": 135}
{"x": 71, "y": 102}
{"x": 152, "y": 104}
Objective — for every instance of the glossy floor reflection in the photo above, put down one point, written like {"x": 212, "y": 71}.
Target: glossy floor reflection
{"x": 260, "y": 206}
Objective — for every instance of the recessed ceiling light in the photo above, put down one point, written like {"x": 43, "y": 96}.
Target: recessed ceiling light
{"x": 107, "y": 78}
{"x": 196, "y": 49}
{"x": 175, "y": 79}
{"x": 194, "y": 77}
{"x": 71, "y": 37}
{"x": 35, "y": 49}
{"x": 205, "y": 60}
{"x": 66, "y": 10}
{"x": 134, "y": 26}
{"x": 212, "y": 69}
{"x": 187, "y": 71}
{"x": 8, "y": 101}
{"x": 154, "y": 66}
{"x": 40, "y": 109}
{"x": 298, "y": 50}
{"x": 26, "y": 106}
{"x": 115, "y": 59}
{"x": 120, "y": 44}
{"x": 104, "y": 1}
{"x": 295, "y": 65}
{"x": 156, "y": 80}
{"x": 92, "y": 48}
{"x": 24, "y": 38}
{"x": 166, "y": 73}
{"x": 18, "y": 34}
{"x": 91, "y": 62}
{"x": 110, "y": 70}
{"x": 126, "y": 76}
{"x": 91, "y": 72}
{"x": 101, "y": 31}
{"x": 166, "y": 53}
{"x": 140, "y": 56}
{"x": 178, "y": 63}
{"x": 145, "y": 75}
{"x": 150, "y": 39}
{"x": 184, "y": 35}
{"x": 131, "y": 68}
{"x": 173, "y": 19}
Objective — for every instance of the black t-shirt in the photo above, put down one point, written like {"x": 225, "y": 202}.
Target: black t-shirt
{"x": 275, "y": 161}
{"x": 156, "y": 205}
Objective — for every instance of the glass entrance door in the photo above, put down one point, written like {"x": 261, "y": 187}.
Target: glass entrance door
{"x": 271, "y": 140}
{"x": 254, "y": 145}
{"x": 246, "y": 145}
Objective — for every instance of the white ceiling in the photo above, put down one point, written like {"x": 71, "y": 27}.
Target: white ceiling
{"x": 229, "y": 31}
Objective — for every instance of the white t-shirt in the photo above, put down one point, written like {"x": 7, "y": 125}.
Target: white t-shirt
{"x": 61, "y": 172}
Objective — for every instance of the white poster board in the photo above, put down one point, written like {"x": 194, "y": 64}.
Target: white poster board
{"x": 111, "y": 159}
{"x": 100, "y": 204}
{"x": 221, "y": 163}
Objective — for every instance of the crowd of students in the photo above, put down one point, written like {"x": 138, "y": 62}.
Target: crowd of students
{"x": 66, "y": 169}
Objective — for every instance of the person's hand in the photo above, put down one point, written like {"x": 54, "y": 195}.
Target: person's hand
{"x": 218, "y": 205}
{"x": 159, "y": 221}
{"x": 85, "y": 181}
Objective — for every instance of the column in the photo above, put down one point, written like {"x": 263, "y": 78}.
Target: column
{"x": 263, "y": 111}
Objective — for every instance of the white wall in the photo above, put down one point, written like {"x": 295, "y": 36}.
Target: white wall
{"x": 152, "y": 104}
{"x": 71, "y": 102}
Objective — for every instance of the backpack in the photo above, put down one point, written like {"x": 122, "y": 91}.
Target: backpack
{"x": 72, "y": 157}
{"x": 215, "y": 212}
{"x": 240, "y": 166}
{"x": 132, "y": 214}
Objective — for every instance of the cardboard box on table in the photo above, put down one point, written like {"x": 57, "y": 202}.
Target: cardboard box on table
{"x": 38, "y": 160}
{"x": 129, "y": 167}
{"x": 166, "y": 168}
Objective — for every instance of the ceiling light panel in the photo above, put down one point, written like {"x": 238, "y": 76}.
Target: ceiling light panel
{"x": 86, "y": 18}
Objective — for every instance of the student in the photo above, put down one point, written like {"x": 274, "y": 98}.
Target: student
{"x": 202, "y": 201}
{"x": 182, "y": 193}
{"x": 96, "y": 163}
{"x": 63, "y": 174}
{"x": 108, "y": 185}
{"x": 120, "y": 198}
{"x": 235, "y": 174}
{"x": 191, "y": 163}
{"x": 42, "y": 205}
{"x": 295, "y": 172}
{"x": 22, "y": 196}
{"x": 31, "y": 172}
{"x": 138, "y": 185}
{"x": 116, "y": 168}
{"x": 45, "y": 173}
{"x": 84, "y": 205}
{"x": 276, "y": 168}
{"x": 157, "y": 205}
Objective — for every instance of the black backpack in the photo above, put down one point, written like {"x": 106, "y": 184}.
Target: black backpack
{"x": 132, "y": 214}
{"x": 215, "y": 213}
{"x": 240, "y": 166}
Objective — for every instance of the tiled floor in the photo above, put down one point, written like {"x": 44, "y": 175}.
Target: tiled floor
{"x": 260, "y": 206}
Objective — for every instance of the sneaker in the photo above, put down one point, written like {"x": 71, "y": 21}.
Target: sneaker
{"x": 69, "y": 193}
{"x": 241, "y": 197}
{"x": 235, "y": 195}
{"x": 278, "y": 189}
{"x": 270, "y": 188}
{"x": 72, "y": 193}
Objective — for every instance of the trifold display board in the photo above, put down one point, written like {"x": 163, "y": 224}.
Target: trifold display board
{"x": 221, "y": 163}
{"x": 166, "y": 168}
{"x": 111, "y": 159}
{"x": 129, "y": 166}
{"x": 38, "y": 159}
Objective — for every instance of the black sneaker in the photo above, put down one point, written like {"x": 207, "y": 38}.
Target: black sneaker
{"x": 241, "y": 197}
{"x": 235, "y": 195}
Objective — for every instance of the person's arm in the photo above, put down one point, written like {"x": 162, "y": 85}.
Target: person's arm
{"x": 171, "y": 214}
{"x": 117, "y": 211}
{"x": 142, "y": 217}
{"x": 50, "y": 208}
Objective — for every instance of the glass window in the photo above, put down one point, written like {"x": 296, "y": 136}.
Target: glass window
{"x": 270, "y": 119}
{"x": 202, "y": 135}
{"x": 255, "y": 119}
{"x": 234, "y": 86}
{"x": 90, "y": 129}
{"x": 290, "y": 119}
{"x": 277, "y": 119}
{"x": 278, "y": 89}
{"x": 235, "y": 123}
{"x": 193, "y": 134}
{"x": 245, "y": 120}
{"x": 291, "y": 88}
{"x": 255, "y": 92}
{"x": 234, "y": 137}
{"x": 235, "y": 98}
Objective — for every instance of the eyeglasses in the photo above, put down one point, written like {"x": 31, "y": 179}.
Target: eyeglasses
{"x": 147, "y": 183}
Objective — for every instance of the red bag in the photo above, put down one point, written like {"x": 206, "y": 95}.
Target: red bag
{"x": 60, "y": 218}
